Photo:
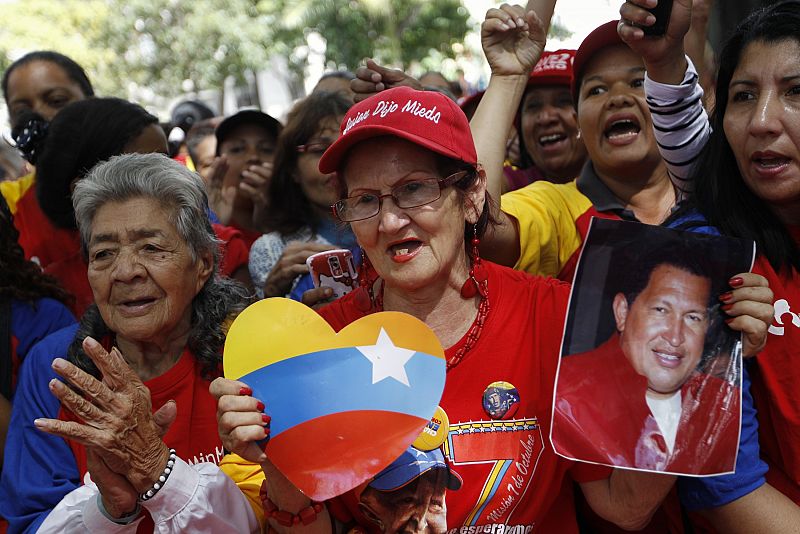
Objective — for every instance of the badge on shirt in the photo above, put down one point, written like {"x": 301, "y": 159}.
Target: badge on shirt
{"x": 434, "y": 433}
{"x": 500, "y": 400}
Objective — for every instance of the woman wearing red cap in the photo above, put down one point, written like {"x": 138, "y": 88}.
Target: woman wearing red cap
{"x": 542, "y": 225}
{"x": 551, "y": 147}
{"x": 415, "y": 197}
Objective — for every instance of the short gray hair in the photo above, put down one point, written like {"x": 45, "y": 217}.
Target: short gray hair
{"x": 130, "y": 176}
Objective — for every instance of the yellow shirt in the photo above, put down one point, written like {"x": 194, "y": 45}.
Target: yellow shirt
{"x": 248, "y": 476}
{"x": 547, "y": 215}
{"x": 12, "y": 190}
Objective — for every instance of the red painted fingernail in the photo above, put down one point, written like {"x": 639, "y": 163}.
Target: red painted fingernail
{"x": 729, "y": 320}
{"x": 266, "y": 431}
{"x": 265, "y": 418}
{"x": 736, "y": 281}
{"x": 260, "y": 406}
{"x": 726, "y": 307}
{"x": 245, "y": 391}
{"x": 725, "y": 297}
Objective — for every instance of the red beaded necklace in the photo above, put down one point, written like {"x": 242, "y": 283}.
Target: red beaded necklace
{"x": 474, "y": 331}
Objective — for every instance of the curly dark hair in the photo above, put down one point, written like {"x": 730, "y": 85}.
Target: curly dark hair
{"x": 82, "y": 135}
{"x": 22, "y": 279}
{"x": 218, "y": 301}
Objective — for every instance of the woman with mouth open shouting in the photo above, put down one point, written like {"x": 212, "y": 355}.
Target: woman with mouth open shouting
{"x": 543, "y": 225}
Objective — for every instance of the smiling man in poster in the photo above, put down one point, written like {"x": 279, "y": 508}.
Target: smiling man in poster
{"x": 661, "y": 392}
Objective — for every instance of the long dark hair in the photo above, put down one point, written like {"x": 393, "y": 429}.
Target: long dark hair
{"x": 22, "y": 279}
{"x": 289, "y": 208}
{"x": 82, "y": 135}
{"x": 720, "y": 191}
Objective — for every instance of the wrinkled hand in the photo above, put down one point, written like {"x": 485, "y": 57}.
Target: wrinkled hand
{"x": 291, "y": 264}
{"x": 317, "y": 298}
{"x": 373, "y": 78}
{"x": 119, "y": 496}
{"x": 750, "y": 310}
{"x": 658, "y": 52}
{"x": 512, "y": 40}
{"x": 119, "y": 424}
{"x": 240, "y": 419}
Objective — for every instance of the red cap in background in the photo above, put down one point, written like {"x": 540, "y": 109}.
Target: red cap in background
{"x": 601, "y": 37}
{"x": 553, "y": 68}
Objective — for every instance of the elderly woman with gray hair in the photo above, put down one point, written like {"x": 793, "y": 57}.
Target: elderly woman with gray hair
{"x": 153, "y": 339}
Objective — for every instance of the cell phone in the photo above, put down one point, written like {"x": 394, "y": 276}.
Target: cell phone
{"x": 662, "y": 13}
{"x": 334, "y": 269}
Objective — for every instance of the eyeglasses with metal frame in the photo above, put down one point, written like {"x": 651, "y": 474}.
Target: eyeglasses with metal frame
{"x": 410, "y": 194}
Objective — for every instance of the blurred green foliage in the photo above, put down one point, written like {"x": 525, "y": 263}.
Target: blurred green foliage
{"x": 159, "y": 44}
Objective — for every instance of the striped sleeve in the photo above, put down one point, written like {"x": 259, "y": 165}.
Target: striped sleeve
{"x": 680, "y": 123}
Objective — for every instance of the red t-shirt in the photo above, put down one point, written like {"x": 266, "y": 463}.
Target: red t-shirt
{"x": 512, "y": 477}
{"x": 775, "y": 379}
{"x": 193, "y": 434}
{"x": 38, "y": 237}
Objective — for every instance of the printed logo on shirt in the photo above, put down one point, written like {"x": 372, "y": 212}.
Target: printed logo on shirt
{"x": 212, "y": 457}
{"x": 511, "y": 451}
{"x": 493, "y": 528}
{"x": 783, "y": 316}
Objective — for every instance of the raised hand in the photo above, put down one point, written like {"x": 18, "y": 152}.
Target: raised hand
{"x": 663, "y": 55}
{"x": 512, "y": 40}
{"x": 373, "y": 78}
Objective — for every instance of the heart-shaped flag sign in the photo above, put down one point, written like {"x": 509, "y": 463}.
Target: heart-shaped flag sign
{"x": 343, "y": 406}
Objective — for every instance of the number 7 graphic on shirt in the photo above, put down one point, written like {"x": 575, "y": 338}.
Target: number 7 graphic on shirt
{"x": 510, "y": 448}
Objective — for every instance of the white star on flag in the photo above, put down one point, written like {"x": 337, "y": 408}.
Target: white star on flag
{"x": 388, "y": 360}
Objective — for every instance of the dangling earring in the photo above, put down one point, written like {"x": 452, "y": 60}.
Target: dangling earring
{"x": 365, "y": 299}
{"x": 477, "y": 281}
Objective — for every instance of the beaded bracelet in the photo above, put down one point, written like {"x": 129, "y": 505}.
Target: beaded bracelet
{"x": 147, "y": 495}
{"x": 306, "y": 516}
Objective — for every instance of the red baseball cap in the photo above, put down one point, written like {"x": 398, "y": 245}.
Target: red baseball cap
{"x": 426, "y": 118}
{"x": 601, "y": 37}
{"x": 553, "y": 68}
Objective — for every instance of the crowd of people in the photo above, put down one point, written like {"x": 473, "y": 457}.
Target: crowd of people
{"x": 127, "y": 248}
